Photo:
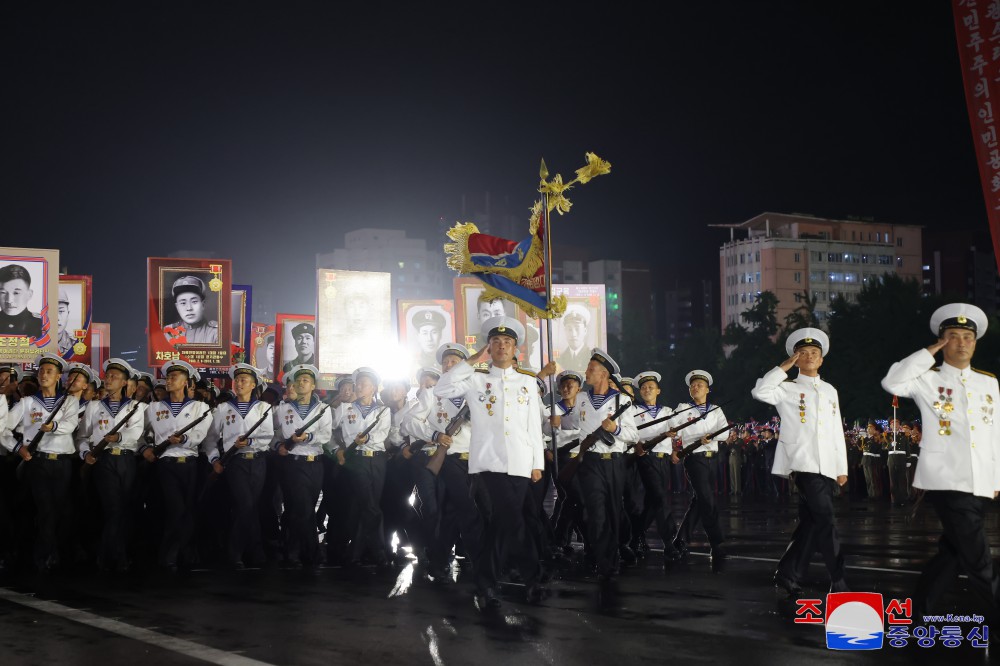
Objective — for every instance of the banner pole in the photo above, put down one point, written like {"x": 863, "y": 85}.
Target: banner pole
{"x": 547, "y": 249}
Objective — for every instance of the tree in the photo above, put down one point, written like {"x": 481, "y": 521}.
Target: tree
{"x": 803, "y": 316}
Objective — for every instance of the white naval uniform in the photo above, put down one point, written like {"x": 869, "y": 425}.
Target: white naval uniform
{"x": 97, "y": 421}
{"x": 569, "y": 427}
{"x": 644, "y": 414}
{"x": 967, "y": 460}
{"x": 812, "y": 443}
{"x": 5, "y": 437}
{"x": 164, "y": 424}
{"x": 435, "y": 415}
{"x": 592, "y": 415}
{"x": 318, "y": 434}
{"x": 351, "y": 422}
{"x": 228, "y": 425}
{"x": 506, "y": 432}
{"x": 28, "y": 415}
{"x": 714, "y": 420}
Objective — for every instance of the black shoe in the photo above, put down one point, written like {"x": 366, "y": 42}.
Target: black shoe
{"x": 670, "y": 555}
{"x": 719, "y": 558}
{"x": 681, "y": 547}
{"x": 534, "y": 593}
{"x": 627, "y": 555}
{"x": 787, "y": 584}
{"x": 839, "y": 586}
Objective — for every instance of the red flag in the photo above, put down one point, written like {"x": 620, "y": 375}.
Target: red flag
{"x": 895, "y": 402}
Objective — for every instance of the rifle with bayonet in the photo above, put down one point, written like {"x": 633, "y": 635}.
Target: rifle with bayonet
{"x": 289, "y": 443}
{"x": 160, "y": 448}
{"x": 33, "y": 444}
{"x": 364, "y": 433}
{"x": 569, "y": 469}
{"x": 103, "y": 444}
{"x": 233, "y": 451}
{"x": 690, "y": 448}
{"x": 437, "y": 460}
{"x": 648, "y": 445}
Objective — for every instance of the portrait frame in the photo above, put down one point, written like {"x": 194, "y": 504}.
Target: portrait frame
{"x": 33, "y": 329}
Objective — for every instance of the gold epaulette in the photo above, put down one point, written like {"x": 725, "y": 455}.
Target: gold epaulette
{"x": 526, "y": 372}
{"x": 483, "y": 370}
{"x": 936, "y": 368}
{"x": 983, "y": 372}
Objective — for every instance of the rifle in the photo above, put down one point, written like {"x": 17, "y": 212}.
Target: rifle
{"x": 687, "y": 450}
{"x": 289, "y": 444}
{"x": 232, "y": 452}
{"x": 364, "y": 433}
{"x": 670, "y": 416}
{"x": 103, "y": 444}
{"x": 567, "y": 472}
{"x": 437, "y": 460}
{"x": 33, "y": 444}
{"x": 162, "y": 446}
{"x": 656, "y": 440}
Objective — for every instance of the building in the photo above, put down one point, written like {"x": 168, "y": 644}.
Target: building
{"x": 961, "y": 265}
{"x": 629, "y": 292}
{"x": 791, "y": 255}
{"x": 684, "y": 309}
{"x": 417, "y": 272}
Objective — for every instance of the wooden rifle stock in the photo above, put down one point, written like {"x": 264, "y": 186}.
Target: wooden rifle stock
{"x": 437, "y": 460}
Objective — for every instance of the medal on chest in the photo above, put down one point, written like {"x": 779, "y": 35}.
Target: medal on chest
{"x": 944, "y": 406}
{"x": 802, "y": 407}
{"x": 988, "y": 409}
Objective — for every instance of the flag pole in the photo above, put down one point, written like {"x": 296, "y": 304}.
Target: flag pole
{"x": 543, "y": 174}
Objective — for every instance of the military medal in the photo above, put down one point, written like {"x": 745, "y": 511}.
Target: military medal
{"x": 215, "y": 284}
{"x": 988, "y": 410}
{"x": 802, "y": 407}
{"x": 944, "y": 406}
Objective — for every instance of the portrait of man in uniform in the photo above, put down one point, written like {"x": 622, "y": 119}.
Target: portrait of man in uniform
{"x": 424, "y": 326}
{"x": 303, "y": 337}
{"x": 17, "y": 300}
{"x": 194, "y": 324}
{"x": 73, "y": 313}
{"x": 575, "y": 327}
{"x": 65, "y": 339}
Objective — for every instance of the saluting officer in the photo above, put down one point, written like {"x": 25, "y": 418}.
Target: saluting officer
{"x": 959, "y": 468}
{"x": 654, "y": 463}
{"x": 246, "y": 469}
{"x": 811, "y": 449}
{"x": 50, "y": 466}
{"x": 115, "y": 464}
{"x": 505, "y": 451}
{"x": 602, "y": 471}
{"x": 177, "y": 465}
{"x": 365, "y": 463}
{"x": 699, "y": 466}
{"x": 302, "y": 471}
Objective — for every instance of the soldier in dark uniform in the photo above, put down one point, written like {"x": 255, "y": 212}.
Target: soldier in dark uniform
{"x": 15, "y": 292}
{"x": 899, "y": 449}
{"x": 189, "y": 299}
{"x": 304, "y": 335}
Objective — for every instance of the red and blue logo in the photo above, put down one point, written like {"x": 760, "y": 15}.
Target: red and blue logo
{"x": 854, "y": 621}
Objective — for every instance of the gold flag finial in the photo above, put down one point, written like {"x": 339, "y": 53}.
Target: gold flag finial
{"x": 543, "y": 171}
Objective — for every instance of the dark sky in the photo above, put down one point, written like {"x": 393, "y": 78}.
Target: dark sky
{"x": 264, "y": 134}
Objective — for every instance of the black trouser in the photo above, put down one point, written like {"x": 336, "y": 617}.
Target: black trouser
{"x": 269, "y": 506}
{"x": 654, "y": 471}
{"x": 8, "y": 496}
{"x": 601, "y": 480}
{"x": 816, "y": 529}
{"x": 633, "y": 501}
{"x": 962, "y": 547}
{"x": 49, "y": 481}
{"x": 459, "y": 517}
{"x": 570, "y": 513}
{"x": 700, "y": 471}
{"x": 178, "y": 483}
{"x": 398, "y": 516}
{"x": 911, "y": 470}
{"x": 114, "y": 477}
{"x": 367, "y": 479}
{"x": 245, "y": 479}
{"x": 337, "y": 499}
{"x": 539, "y": 529}
{"x": 428, "y": 504}
{"x": 897, "y": 476}
{"x": 301, "y": 481}
{"x": 500, "y": 498}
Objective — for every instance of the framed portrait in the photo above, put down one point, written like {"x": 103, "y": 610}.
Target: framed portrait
{"x": 241, "y": 311}
{"x": 354, "y": 321}
{"x": 74, "y": 317}
{"x": 262, "y": 346}
{"x": 425, "y": 325}
{"x": 471, "y": 312}
{"x": 294, "y": 342}
{"x": 100, "y": 346}
{"x": 582, "y": 327}
{"x": 190, "y": 303}
{"x": 29, "y": 291}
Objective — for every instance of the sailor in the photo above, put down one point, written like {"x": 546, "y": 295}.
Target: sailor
{"x": 194, "y": 325}
{"x": 505, "y": 452}
{"x": 812, "y": 450}
{"x": 959, "y": 468}
{"x": 365, "y": 425}
{"x": 52, "y": 415}
{"x": 568, "y": 514}
{"x": 302, "y": 471}
{"x": 115, "y": 461}
{"x": 176, "y": 457}
{"x": 245, "y": 469}
{"x": 653, "y": 451}
{"x": 699, "y": 466}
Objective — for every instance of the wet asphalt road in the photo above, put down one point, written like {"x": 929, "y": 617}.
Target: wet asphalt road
{"x": 688, "y": 615}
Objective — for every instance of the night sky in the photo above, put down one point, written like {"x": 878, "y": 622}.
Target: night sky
{"x": 263, "y": 134}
